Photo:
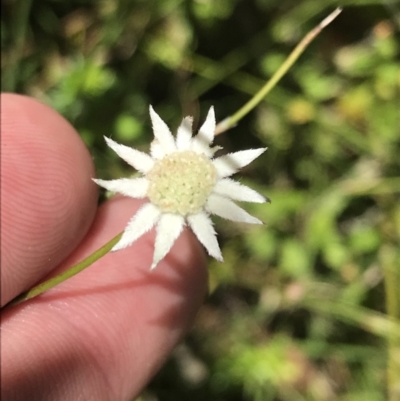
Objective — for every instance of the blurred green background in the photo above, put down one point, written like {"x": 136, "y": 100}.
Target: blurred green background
{"x": 297, "y": 311}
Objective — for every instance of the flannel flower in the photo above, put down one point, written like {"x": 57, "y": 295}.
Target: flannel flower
{"x": 184, "y": 184}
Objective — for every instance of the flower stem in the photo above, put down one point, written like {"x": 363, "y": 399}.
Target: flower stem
{"x": 72, "y": 271}
{"x": 230, "y": 121}
{"x": 389, "y": 258}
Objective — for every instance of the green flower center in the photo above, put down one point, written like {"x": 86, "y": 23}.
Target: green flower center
{"x": 181, "y": 182}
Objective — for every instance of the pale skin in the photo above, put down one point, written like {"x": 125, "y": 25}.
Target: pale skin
{"x": 104, "y": 333}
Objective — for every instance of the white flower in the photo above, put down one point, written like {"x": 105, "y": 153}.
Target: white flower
{"x": 184, "y": 185}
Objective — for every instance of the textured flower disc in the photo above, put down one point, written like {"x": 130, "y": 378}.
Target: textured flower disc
{"x": 181, "y": 182}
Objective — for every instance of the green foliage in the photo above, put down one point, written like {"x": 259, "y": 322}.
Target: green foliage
{"x": 261, "y": 369}
{"x": 296, "y": 310}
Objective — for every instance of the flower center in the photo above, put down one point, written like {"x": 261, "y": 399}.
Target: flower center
{"x": 181, "y": 182}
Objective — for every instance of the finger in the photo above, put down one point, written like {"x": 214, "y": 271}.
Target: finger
{"x": 48, "y": 200}
{"x": 103, "y": 333}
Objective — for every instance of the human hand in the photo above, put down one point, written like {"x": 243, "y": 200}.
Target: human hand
{"x": 102, "y": 334}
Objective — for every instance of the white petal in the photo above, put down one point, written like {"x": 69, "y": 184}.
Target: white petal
{"x": 162, "y": 132}
{"x": 215, "y": 149}
{"x": 184, "y": 135}
{"x": 168, "y": 229}
{"x": 233, "y": 190}
{"x": 202, "y": 226}
{"x": 140, "y": 223}
{"x": 225, "y": 208}
{"x": 133, "y": 187}
{"x": 201, "y": 142}
{"x": 138, "y": 160}
{"x": 231, "y": 163}
{"x": 156, "y": 150}
{"x": 204, "y": 149}
{"x": 207, "y": 130}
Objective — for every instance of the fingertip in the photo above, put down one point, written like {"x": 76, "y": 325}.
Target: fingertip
{"x": 48, "y": 200}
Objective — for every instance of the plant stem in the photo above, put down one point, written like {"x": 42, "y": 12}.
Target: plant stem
{"x": 72, "y": 271}
{"x": 389, "y": 258}
{"x": 230, "y": 121}
{"x": 18, "y": 28}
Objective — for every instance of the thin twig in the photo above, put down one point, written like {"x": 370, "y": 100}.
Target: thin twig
{"x": 72, "y": 271}
{"x": 230, "y": 121}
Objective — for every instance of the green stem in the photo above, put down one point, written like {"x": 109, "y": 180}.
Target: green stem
{"x": 293, "y": 56}
{"x": 72, "y": 271}
{"x": 18, "y": 27}
{"x": 390, "y": 264}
